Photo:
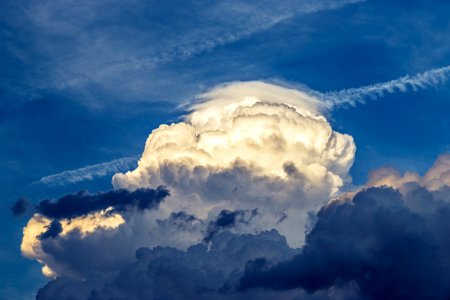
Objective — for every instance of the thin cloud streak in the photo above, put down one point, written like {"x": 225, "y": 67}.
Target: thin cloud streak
{"x": 89, "y": 172}
{"x": 403, "y": 84}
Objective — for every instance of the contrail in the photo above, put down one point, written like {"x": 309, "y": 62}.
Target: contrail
{"x": 89, "y": 172}
{"x": 353, "y": 96}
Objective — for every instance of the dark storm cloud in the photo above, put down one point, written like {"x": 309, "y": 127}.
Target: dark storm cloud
{"x": 393, "y": 246}
{"x": 20, "y": 207}
{"x": 82, "y": 203}
{"x": 381, "y": 244}
{"x": 200, "y": 272}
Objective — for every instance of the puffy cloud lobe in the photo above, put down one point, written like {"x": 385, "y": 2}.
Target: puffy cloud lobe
{"x": 435, "y": 178}
{"x": 60, "y": 245}
{"x": 61, "y": 232}
{"x": 393, "y": 245}
{"x": 439, "y": 174}
{"x": 83, "y": 203}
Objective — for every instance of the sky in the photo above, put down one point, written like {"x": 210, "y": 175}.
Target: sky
{"x": 84, "y": 84}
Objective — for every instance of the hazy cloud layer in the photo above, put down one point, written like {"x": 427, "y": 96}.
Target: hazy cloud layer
{"x": 79, "y": 46}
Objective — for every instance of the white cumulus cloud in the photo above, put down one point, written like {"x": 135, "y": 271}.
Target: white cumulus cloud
{"x": 247, "y": 145}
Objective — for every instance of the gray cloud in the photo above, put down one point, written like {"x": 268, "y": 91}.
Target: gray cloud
{"x": 167, "y": 273}
{"x": 20, "y": 207}
{"x": 392, "y": 245}
{"x": 378, "y": 243}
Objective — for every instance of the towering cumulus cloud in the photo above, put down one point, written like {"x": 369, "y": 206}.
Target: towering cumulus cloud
{"x": 250, "y": 145}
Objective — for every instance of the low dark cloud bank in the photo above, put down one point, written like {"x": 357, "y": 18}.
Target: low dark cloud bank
{"x": 83, "y": 203}
{"x": 392, "y": 246}
{"x": 200, "y": 272}
{"x": 381, "y": 244}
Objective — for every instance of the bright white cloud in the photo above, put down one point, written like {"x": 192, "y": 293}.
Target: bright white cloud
{"x": 31, "y": 246}
{"x": 247, "y": 145}
{"x": 260, "y": 125}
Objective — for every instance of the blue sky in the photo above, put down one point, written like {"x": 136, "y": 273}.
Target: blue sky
{"x": 85, "y": 83}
